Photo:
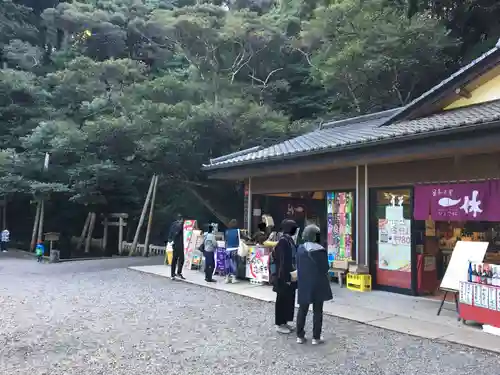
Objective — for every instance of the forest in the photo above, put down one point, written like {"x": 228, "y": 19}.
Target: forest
{"x": 118, "y": 90}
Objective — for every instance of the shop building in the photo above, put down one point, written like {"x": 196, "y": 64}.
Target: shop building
{"x": 402, "y": 171}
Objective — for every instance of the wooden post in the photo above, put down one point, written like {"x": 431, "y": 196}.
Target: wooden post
{"x": 35, "y": 226}
{"x": 143, "y": 215}
{"x": 91, "y": 231}
{"x": 150, "y": 218}
{"x": 40, "y": 228}
{"x": 105, "y": 234}
{"x": 120, "y": 235}
{"x": 84, "y": 232}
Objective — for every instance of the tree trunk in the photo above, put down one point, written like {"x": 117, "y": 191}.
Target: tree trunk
{"x": 150, "y": 219}
{"x": 143, "y": 215}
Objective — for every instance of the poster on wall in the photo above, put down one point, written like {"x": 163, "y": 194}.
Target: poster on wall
{"x": 339, "y": 209}
{"x": 394, "y": 245}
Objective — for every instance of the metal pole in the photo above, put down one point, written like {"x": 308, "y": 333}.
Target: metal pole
{"x": 356, "y": 242}
{"x": 366, "y": 217}
{"x": 249, "y": 213}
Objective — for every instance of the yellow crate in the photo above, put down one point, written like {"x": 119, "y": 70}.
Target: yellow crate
{"x": 359, "y": 283}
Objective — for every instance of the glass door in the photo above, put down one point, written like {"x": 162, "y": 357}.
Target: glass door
{"x": 391, "y": 239}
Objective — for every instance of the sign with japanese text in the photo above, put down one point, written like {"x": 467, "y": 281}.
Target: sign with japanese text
{"x": 478, "y": 295}
{"x": 257, "y": 266}
{"x": 458, "y": 202}
{"x": 394, "y": 245}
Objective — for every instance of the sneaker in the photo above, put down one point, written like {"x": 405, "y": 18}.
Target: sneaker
{"x": 317, "y": 342}
{"x": 211, "y": 281}
{"x": 301, "y": 340}
{"x": 4, "y": 251}
{"x": 173, "y": 278}
{"x": 227, "y": 280}
{"x": 283, "y": 329}
{"x": 179, "y": 275}
{"x": 291, "y": 327}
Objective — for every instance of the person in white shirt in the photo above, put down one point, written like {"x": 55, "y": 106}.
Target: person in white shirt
{"x": 5, "y": 238}
{"x": 210, "y": 245}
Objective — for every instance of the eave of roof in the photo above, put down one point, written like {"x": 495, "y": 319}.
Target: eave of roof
{"x": 365, "y": 133}
{"x": 463, "y": 76}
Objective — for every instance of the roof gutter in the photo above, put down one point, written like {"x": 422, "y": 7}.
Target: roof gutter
{"x": 354, "y": 146}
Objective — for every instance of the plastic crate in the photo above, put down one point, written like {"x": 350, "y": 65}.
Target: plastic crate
{"x": 359, "y": 283}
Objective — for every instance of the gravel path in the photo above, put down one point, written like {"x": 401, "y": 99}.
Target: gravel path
{"x": 97, "y": 317}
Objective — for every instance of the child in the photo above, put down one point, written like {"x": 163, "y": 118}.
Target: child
{"x": 40, "y": 250}
{"x": 5, "y": 240}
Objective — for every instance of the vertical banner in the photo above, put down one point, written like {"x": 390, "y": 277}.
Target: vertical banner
{"x": 339, "y": 209}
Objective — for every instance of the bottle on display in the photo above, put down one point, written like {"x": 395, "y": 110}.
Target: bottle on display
{"x": 489, "y": 280}
{"x": 484, "y": 275}
{"x": 474, "y": 274}
{"x": 469, "y": 272}
{"x": 479, "y": 274}
{"x": 495, "y": 278}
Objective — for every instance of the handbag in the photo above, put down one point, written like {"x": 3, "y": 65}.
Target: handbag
{"x": 242, "y": 247}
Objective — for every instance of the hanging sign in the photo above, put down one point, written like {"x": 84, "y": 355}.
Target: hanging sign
{"x": 458, "y": 202}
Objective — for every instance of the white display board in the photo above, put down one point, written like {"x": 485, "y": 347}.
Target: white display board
{"x": 463, "y": 253}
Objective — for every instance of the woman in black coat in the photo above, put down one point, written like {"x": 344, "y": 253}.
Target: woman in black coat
{"x": 283, "y": 262}
{"x": 313, "y": 284}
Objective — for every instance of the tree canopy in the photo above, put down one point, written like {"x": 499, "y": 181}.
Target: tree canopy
{"x": 116, "y": 90}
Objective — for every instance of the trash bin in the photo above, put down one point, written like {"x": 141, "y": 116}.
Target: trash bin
{"x": 54, "y": 256}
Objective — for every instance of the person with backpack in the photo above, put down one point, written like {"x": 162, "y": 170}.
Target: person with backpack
{"x": 209, "y": 247}
{"x": 313, "y": 284}
{"x": 282, "y": 269}
{"x": 175, "y": 235}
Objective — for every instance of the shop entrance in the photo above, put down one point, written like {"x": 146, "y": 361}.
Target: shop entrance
{"x": 391, "y": 240}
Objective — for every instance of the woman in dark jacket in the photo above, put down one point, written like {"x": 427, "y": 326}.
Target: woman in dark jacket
{"x": 313, "y": 284}
{"x": 282, "y": 281}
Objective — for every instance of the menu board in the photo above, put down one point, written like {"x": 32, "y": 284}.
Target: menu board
{"x": 339, "y": 208}
{"x": 479, "y": 295}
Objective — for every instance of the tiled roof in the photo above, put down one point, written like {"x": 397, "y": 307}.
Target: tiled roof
{"x": 461, "y": 77}
{"x": 359, "y": 132}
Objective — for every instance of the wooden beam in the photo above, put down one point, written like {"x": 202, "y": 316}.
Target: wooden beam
{"x": 91, "y": 232}
{"x": 35, "y": 226}
{"x": 121, "y": 224}
{"x": 150, "y": 218}
{"x": 141, "y": 219}
{"x": 84, "y": 231}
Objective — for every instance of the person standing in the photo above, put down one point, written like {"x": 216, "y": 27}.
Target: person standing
{"x": 282, "y": 281}
{"x": 175, "y": 235}
{"x": 232, "y": 238}
{"x": 210, "y": 245}
{"x": 313, "y": 284}
{"x": 5, "y": 238}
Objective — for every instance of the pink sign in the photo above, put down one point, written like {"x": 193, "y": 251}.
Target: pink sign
{"x": 458, "y": 202}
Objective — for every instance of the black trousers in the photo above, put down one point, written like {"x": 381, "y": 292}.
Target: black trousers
{"x": 317, "y": 320}
{"x": 177, "y": 260}
{"x": 209, "y": 264}
{"x": 285, "y": 305}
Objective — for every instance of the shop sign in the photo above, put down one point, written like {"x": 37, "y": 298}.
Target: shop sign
{"x": 458, "y": 202}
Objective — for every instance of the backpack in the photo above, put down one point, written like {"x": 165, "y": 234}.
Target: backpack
{"x": 273, "y": 269}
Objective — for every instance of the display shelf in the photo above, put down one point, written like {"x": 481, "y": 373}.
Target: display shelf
{"x": 480, "y": 303}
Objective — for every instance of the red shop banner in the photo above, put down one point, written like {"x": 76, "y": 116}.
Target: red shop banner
{"x": 458, "y": 202}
